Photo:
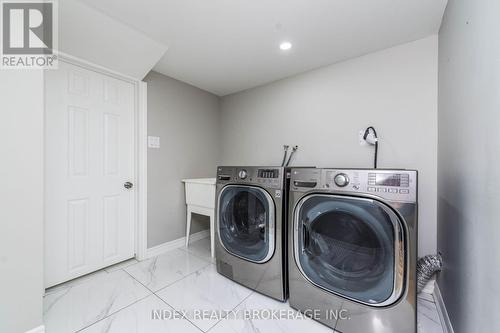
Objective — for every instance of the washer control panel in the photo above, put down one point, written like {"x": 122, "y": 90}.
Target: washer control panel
{"x": 271, "y": 177}
{"x": 395, "y": 185}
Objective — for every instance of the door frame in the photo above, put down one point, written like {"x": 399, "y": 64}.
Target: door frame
{"x": 140, "y": 147}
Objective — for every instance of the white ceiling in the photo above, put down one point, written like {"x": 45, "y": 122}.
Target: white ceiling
{"x": 83, "y": 30}
{"x": 225, "y": 46}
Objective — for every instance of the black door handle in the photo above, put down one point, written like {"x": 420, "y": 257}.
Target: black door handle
{"x": 262, "y": 231}
{"x": 305, "y": 237}
{"x": 128, "y": 185}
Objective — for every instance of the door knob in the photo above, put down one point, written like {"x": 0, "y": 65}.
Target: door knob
{"x": 128, "y": 185}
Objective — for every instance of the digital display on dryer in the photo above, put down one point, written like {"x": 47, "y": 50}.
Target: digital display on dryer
{"x": 389, "y": 179}
{"x": 268, "y": 173}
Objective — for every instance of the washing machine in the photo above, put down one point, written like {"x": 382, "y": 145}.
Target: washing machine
{"x": 250, "y": 236}
{"x": 353, "y": 248}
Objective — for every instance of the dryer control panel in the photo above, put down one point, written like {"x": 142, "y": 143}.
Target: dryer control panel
{"x": 393, "y": 185}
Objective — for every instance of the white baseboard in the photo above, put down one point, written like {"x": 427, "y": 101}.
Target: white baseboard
{"x": 39, "y": 329}
{"x": 441, "y": 307}
{"x": 175, "y": 244}
{"x": 198, "y": 235}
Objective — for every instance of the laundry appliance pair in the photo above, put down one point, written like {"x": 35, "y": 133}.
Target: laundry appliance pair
{"x": 340, "y": 244}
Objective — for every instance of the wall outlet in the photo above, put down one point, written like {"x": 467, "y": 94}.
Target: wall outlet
{"x": 154, "y": 142}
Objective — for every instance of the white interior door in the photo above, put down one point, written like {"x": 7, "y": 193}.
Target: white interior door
{"x": 89, "y": 155}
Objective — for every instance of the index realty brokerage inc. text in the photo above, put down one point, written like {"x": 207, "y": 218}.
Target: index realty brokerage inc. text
{"x": 249, "y": 314}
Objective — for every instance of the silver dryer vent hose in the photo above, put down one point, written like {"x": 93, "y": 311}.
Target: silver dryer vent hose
{"x": 426, "y": 267}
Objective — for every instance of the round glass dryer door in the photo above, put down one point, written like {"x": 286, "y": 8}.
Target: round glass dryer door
{"x": 350, "y": 246}
{"x": 246, "y": 222}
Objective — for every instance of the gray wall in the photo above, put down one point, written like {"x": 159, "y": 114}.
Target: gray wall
{"x": 21, "y": 200}
{"x": 322, "y": 111}
{"x": 468, "y": 165}
{"x": 187, "y": 121}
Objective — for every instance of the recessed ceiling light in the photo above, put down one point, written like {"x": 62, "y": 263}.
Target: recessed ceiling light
{"x": 285, "y": 46}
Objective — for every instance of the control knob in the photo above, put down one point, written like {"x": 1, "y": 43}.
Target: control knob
{"x": 341, "y": 180}
{"x": 242, "y": 174}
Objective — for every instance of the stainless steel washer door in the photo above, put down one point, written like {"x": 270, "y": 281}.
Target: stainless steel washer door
{"x": 350, "y": 246}
{"x": 246, "y": 222}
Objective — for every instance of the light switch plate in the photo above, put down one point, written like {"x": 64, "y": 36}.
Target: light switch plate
{"x": 154, "y": 142}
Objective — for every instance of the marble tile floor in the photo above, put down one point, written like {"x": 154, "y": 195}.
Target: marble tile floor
{"x": 177, "y": 286}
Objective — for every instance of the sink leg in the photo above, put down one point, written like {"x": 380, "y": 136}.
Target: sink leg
{"x": 188, "y": 225}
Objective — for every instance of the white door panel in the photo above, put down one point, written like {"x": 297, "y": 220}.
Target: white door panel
{"x": 89, "y": 151}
